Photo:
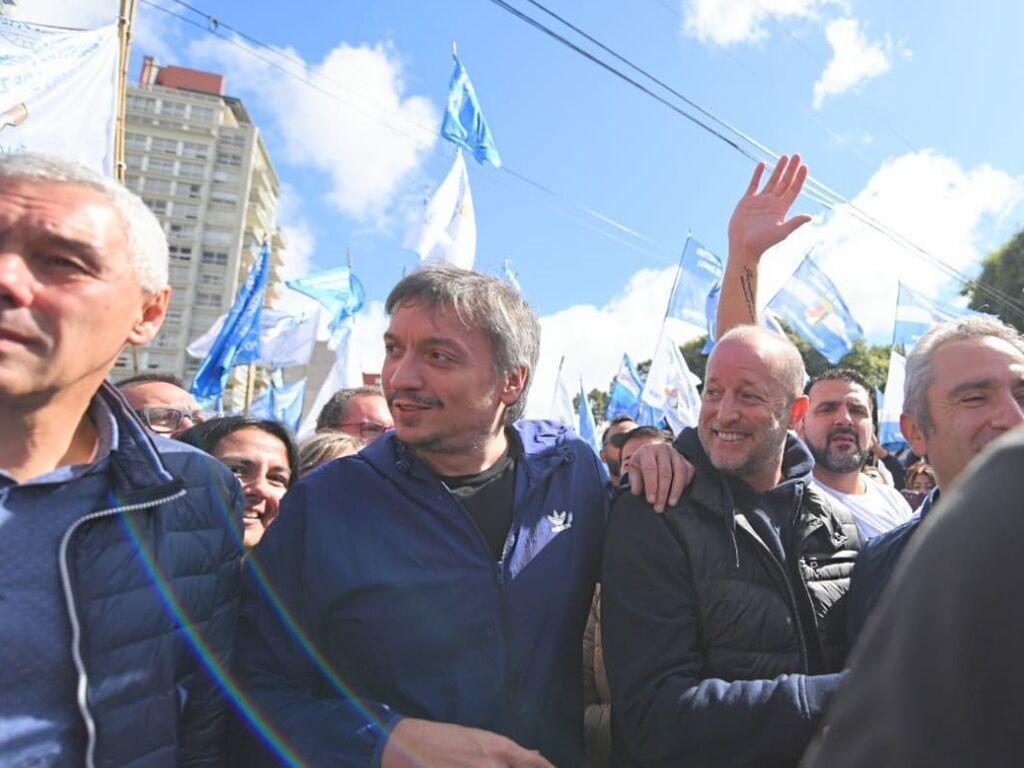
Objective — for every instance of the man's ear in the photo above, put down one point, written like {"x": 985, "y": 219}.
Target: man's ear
{"x": 796, "y": 414}
{"x": 151, "y": 316}
{"x": 513, "y": 385}
{"x": 914, "y": 434}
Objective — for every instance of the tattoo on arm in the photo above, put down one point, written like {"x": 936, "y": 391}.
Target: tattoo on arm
{"x": 747, "y": 280}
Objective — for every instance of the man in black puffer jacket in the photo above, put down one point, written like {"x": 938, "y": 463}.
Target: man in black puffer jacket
{"x": 724, "y": 618}
{"x": 119, "y": 551}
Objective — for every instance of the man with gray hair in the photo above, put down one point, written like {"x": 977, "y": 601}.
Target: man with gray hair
{"x": 724, "y": 618}
{"x": 444, "y": 574}
{"x": 964, "y": 387}
{"x": 119, "y": 549}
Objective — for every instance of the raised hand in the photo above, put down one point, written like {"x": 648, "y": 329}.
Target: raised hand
{"x": 759, "y": 221}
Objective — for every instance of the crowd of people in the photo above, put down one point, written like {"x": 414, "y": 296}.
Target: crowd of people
{"x": 432, "y": 580}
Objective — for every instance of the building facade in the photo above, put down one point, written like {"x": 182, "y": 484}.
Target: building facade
{"x": 195, "y": 157}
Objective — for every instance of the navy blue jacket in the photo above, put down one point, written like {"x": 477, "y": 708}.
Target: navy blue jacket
{"x": 161, "y": 556}
{"x": 874, "y": 567}
{"x": 375, "y": 565}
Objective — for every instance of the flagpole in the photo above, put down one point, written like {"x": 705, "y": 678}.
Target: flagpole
{"x": 558, "y": 378}
{"x": 679, "y": 271}
{"x": 250, "y": 385}
{"x": 125, "y": 21}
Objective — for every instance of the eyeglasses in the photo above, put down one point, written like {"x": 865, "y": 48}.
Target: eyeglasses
{"x": 161, "y": 419}
{"x": 369, "y": 430}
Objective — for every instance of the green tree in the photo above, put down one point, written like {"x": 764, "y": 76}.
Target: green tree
{"x": 598, "y": 403}
{"x": 1002, "y": 270}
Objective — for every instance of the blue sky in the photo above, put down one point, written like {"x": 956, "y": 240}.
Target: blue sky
{"x": 909, "y": 108}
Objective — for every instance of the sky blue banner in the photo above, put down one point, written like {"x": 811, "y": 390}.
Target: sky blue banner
{"x": 338, "y": 290}
{"x": 812, "y": 306}
{"x": 700, "y": 271}
{"x": 916, "y": 314}
{"x": 624, "y": 398}
{"x": 281, "y": 402}
{"x": 588, "y": 428}
{"x": 238, "y": 342}
{"x": 890, "y": 405}
{"x": 464, "y": 122}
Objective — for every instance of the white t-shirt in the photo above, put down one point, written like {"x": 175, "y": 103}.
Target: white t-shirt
{"x": 876, "y": 511}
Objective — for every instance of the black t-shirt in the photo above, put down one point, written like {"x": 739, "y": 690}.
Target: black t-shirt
{"x": 488, "y": 498}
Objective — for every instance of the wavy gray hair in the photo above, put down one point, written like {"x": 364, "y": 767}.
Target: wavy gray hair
{"x": 483, "y": 302}
{"x": 146, "y": 239}
{"x": 920, "y": 371}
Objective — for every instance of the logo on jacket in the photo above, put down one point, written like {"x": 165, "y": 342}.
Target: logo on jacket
{"x": 560, "y": 521}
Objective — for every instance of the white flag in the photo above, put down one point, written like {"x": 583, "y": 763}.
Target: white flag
{"x": 58, "y": 92}
{"x": 671, "y": 388}
{"x": 446, "y": 230}
{"x": 347, "y": 372}
{"x": 561, "y": 407}
{"x": 891, "y": 407}
{"x": 286, "y": 339}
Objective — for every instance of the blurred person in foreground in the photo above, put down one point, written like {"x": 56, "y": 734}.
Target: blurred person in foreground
{"x": 724, "y": 618}
{"x": 261, "y": 454}
{"x": 361, "y": 412}
{"x": 964, "y": 388}
{"x": 326, "y": 446}
{"x": 119, "y": 548}
{"x": 162, "y": 402}
{"x": 936, "y": 679}
{"x": 445, "y": 572}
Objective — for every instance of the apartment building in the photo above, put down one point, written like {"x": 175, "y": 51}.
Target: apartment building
{"x": 196, "y": 158}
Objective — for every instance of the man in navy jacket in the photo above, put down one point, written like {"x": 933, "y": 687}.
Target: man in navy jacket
{"x": 423, "y": 602}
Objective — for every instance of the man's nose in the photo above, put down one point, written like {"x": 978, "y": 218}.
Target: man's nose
{"x": 1009, "y": 413}
{"x": 404, "y": 373}
{"x": 17, "y": 284}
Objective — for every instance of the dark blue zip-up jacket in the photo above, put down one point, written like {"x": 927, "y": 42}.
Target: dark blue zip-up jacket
{"x": 387, "y": 603}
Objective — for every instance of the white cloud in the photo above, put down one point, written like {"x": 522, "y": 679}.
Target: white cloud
{"x": 726, "y": 22}
{"x": 356, "y": 124}
{"x": 854, "y": 59}
{"x": 300, "y": 243}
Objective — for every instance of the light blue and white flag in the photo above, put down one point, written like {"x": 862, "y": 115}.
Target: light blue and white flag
{"x": 671, "y": 388}
{"x": 624, "y": 398}
{"x": 511, "y": 275}
{"x": 699, "y": 274}
{"x": 445, "y": 230}
{"x": 281, "y": 402}
{"x": 347, "y": 372}
{"x": 891, "y": 405}
{"x": 58, "y": 92}
{"x": 768, "y": 319}
{"x": 813, "y": 307}
{"x": 916, "y": 314}
{"x": 339, "y": 291}
{"x": 562, "y": 409}
{"x": 238, "y": 342}
{"x": 286, "y": 339}
{"x": 588, "y": 428}
{"x": 464, "y": 122}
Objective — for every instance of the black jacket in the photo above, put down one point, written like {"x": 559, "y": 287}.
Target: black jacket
{"x": 718, "y": 653}
{"x": 936, "y": 679}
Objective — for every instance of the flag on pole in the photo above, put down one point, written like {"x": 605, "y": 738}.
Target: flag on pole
{"x": 340, "y": 293}
{"x": 671, "y": 388}
{"x": 916, "y": 314}
{"x": 891, "y": 405}
{"x": 699, "y": 274}
{"x": 813, "y": 307}
{"x": 446, "y": 229}
{"x": 58, "y": 92}
{"x": 588, "y": 428}
{"x": 511, "y": 276}
{"x": 281, "y": 402}
{"x": 624, "y": 398}
{"x": 347, "y": 372}
{"x": 285, "y": 339}
{"x": 561, "y": 406}
{"x": 238, "y": 342}
{"x": 464, "y": 122}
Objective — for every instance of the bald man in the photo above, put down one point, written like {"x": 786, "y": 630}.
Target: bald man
{"x": 723, "y": 618}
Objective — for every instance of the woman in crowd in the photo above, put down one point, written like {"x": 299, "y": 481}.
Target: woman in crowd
{"x": 326, "y": 446}
{"x": 262, "y": 455}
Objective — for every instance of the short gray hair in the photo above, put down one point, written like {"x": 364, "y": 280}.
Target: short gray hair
{"x": 792, "y": 373}
{"x": 479, "y": 301}
{"x": 920, "y": 372}
{"x": 147, "y": 242}
{"x": 333, "y": 412}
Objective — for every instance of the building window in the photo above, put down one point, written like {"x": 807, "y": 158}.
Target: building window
{"x": 202, "y": 114}
{"x": 191, "y": 170}
{"x": 133, "y": 162}
{"x": 175, "y": 316}
{"x": 196, "y": 150}
{"x": 141, "y": 104}
{"x": 217, "y": 237}
{"x": 228, "y": 158}
{"x": 223, "y": 196}
{"x": 182, "y": 231}
{"x": 192, "y": 191}
{"x": 232, "y": 140}
{"x": 206, "y": 299}
{"x": 159, "y": 207}
{"x": 179, "y": 275}
{"x": 214, "y": 257}
{"x": 186, "y": 210}
{"x": 210, "y": 279}
{"x": 167, "y": 146}
{"x": 157, "y": 186}
{"x": 180, "y": 252}
{"x": 135, "y": 140}
{"x": 160, "y": 165}
{"x": 173, "y": 108}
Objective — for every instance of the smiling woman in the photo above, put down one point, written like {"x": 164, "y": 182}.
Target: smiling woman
{"x": 263, "y": 457}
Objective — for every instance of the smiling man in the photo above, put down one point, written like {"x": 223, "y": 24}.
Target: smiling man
{"x": 444, "y": 574}
{"x": 103, "y": 526}
{"x": 724, "y": 618}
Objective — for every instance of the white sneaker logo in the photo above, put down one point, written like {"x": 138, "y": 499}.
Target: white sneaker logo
{"x": 560, "y": 521}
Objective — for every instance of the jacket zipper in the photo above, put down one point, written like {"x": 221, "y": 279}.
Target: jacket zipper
{"x": 76, "y": 627}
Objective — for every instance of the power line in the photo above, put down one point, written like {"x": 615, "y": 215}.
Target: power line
{"x": 814, "y": 189}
